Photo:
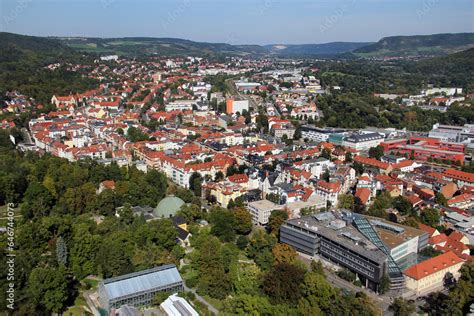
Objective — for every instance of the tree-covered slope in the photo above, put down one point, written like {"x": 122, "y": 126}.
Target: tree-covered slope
{"x": 418, "y": 45}
{"x": 22, "y": 67}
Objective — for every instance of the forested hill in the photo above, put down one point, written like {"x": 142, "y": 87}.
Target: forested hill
{"x": 455, "y": 69}
{"x": 418, "y": 45}
{"x": 326, "y": 49}
{"x": 22, "y": 67}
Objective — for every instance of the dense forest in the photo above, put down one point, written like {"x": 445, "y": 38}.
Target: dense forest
{"x": 22, "y": 62}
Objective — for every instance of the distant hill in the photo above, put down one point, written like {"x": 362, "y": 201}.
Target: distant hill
{"x": 22, "y": 67}
{"x": 457, "y": 67}
{"x": 418, "y": 45}
{"x": 135, "y": 46}
{"x": 176, "y": 47}
{"x": 325, "y": 49}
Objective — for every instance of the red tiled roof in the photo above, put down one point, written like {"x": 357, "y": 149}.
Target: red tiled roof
{"x": 438, "y": 239}
{"x": 428, "y": 229}
{"x": 402, "y": 164}
{"x": 433, "y": 265}
{"x": 459, "y": 175}
{"x": 238, "y": 178}
{"x": 371, "y": 162}
{"x": 363, "y": 194}
{"x": 461, "y": 198}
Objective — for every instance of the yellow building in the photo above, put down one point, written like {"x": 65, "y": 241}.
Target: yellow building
{"x": 428, "y": 276}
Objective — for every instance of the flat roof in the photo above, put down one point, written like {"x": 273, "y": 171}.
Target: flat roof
{"x": 265, "y": 205}
{"x": 391, "y": 238}
{"x": 347, "y": 236}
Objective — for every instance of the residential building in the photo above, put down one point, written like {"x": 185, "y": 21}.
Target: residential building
{"x": 234, "y": 106}
{"x": 428, "y": 276}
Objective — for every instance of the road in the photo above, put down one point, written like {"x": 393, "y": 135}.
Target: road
{"x": 90, "y": 303}
{"x": 26, "y": 136}
{"x": 211, "y": 308}
{"x": 382, "y": 302}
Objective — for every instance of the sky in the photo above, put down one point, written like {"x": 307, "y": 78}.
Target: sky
{"x": 238, "y": 21}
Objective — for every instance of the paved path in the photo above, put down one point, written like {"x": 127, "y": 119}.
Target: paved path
{"x": 90, "y": 303}
{"x": 202, "y": 300}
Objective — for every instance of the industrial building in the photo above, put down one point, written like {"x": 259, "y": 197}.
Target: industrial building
{"x": 140, "y": 288}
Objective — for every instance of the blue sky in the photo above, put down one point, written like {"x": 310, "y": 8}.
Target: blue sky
{"x": 238, "y": 21}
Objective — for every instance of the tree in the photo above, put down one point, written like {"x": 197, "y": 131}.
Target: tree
{"x": 61, "y": 251}
{"x": 346, "y": 201}
{"x": 243, "y": 221}
{"x": 348, "y": 157}
{"x": 37, "y": 201}
{"x": 160, "y": 297}
{"x": 358, "y": 167}
{"x": 246, "y": 304}
{"x": 136, "y": 135}
{"x": 318, "y": 296}
{"x": 276, "y": 219}
{"x": 317, "y": 267}
{"x": 219, "y": 176}
{"x": 326, "y": 176}
{"x": 223, "y": 224}
{"x": 112, "y": 259}
{"x": 283, "y": 283}
{"x": 440, "y": 199}
{"x": 284, "y": 253}
{"x": 376, "y": 152}
{"x": 48, "y": 287}
{"x": 431, "y": 217}
{"x": 83, "y": 251}
{"x": 404, "y": 206}
{"x": 213, "y": 279}
{"x": 384, "y": 284}
{"x": 195, "y": 183}
{"x": 242, "y": 242}
{"x": 190, "y": 212}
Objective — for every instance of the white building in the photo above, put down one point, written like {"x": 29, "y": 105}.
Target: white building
{"x": 180, "y": 105}
{"x": 362, "y": 141}
{"x": 177, "y": 306}
{"x": 261, "y": 210}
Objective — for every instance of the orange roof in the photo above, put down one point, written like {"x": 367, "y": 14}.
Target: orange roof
{"x": 428, "y": 229}
{"x": 329, "y": 186}
{"x": 402, "y": 164}
{"x": 459, "y": 175}
{"x": 238, "y": 178}
{"x": 461, "y": 198}
{"x": 363, "y": 194}
{"x": 456, "y": 236}
{"x": 433, "y": 265}
{"x": 437, "y": 239}
{"x": 108, "y": 184}
{"x": 371, "y": 162}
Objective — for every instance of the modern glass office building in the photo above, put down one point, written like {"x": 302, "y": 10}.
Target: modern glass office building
{"x": 139, "y": 288}
{"x": 355, "y": 242}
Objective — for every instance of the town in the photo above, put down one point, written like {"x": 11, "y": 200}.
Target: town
{"x": 385, "y": 211}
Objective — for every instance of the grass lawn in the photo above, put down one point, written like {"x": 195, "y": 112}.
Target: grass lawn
{"x": 91, "y": 282}
{"x": 214, "y": 302}
{"x": 75, "y": 311}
